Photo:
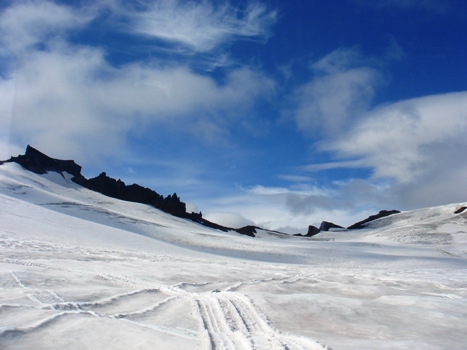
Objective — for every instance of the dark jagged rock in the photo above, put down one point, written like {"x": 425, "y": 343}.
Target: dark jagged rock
{"x": 247, "y": 230}
{"x": 208, "y": 223}
{"x": 312, "y": 230}
{"x": 326, "y": 225}
{"x": 134, "y": 193}
{"x": 381, "y": 214}
{"x": 460, "y": 210}
{"x": 39, "y": 163}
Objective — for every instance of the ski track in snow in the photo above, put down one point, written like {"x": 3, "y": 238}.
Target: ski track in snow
{"x": 229, "y": 320}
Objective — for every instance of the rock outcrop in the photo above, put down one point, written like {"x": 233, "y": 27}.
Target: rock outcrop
{"x": 247, "y": 230}
{"x": 326, "y": 226}
{"x": 460, "y": 210}
{"x": 381, "y": 214}
{"x": 39, "y": 163}
{"x": 134, "y": 193}
{"x": 313, "y": 230}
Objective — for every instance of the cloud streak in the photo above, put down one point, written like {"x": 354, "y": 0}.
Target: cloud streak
{"x": 201, "y": 26}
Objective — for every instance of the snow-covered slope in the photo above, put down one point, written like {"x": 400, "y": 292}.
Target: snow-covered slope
{"x": 79, "y": 270}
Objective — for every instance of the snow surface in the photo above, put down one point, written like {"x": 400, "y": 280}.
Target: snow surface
{"x": 79, "y": 270}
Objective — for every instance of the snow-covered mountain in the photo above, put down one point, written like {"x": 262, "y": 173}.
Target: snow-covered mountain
{"x": 79, "y": 270}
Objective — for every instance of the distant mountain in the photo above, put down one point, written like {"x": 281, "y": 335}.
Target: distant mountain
{"x": 39, "y": 163}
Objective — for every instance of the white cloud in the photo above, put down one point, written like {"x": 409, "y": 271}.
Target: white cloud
{"x": 292, "y": 211}
{"x": 404, "y": 140}
{"x": 72, "y": 96}
{"x": 69, "y": 95}
{"x": 415, "y": 149}
{"x": 7, "y": 94}
{"x": 201, "y": 26}
{"x": 340, "y": 90}
{"x": 295, "y": 178}
{"x": 415, "y": 146}
{"x": 229, "y": 219}
{"x": 335, "y": 165}
{"x": 29, "y": 23}
{"x": 437, "y": 187}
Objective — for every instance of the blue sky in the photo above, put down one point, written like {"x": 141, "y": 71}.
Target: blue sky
{"x": 277, "y": 113}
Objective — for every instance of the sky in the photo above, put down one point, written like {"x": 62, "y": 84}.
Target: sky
{"x": 275, "y": 113}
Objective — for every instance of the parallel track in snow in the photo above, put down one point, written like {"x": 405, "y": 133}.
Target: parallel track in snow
{"x": 228, "y": 320}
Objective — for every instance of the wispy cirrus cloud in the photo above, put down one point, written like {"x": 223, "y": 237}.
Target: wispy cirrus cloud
{"x": 200, "y": 26}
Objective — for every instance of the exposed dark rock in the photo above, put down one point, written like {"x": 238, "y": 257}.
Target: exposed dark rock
{"x": 460, "y": 210}
{"x": 326, "y": 225}
{"x": 39, "y": 163}
{"x": 208, "y": 223}
{"x": 247, "y": 230}
{"x": 134, "y": 193}
{"x": 312, "y": 230}
{"x": 381, "y": 214}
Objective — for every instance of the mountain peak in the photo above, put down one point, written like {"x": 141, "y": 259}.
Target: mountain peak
{"x": 40, "y": 163}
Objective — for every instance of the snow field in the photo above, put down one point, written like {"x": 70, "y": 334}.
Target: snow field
{"x": 82, "y": 271}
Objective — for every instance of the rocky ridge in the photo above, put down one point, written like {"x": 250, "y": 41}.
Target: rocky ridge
{"x": 39, "y": 163}
{"x": 381, "y": 214}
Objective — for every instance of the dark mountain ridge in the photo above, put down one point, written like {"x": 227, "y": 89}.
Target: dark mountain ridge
{"x": 39, "y": 163}
{"x": 381, "y": 214}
